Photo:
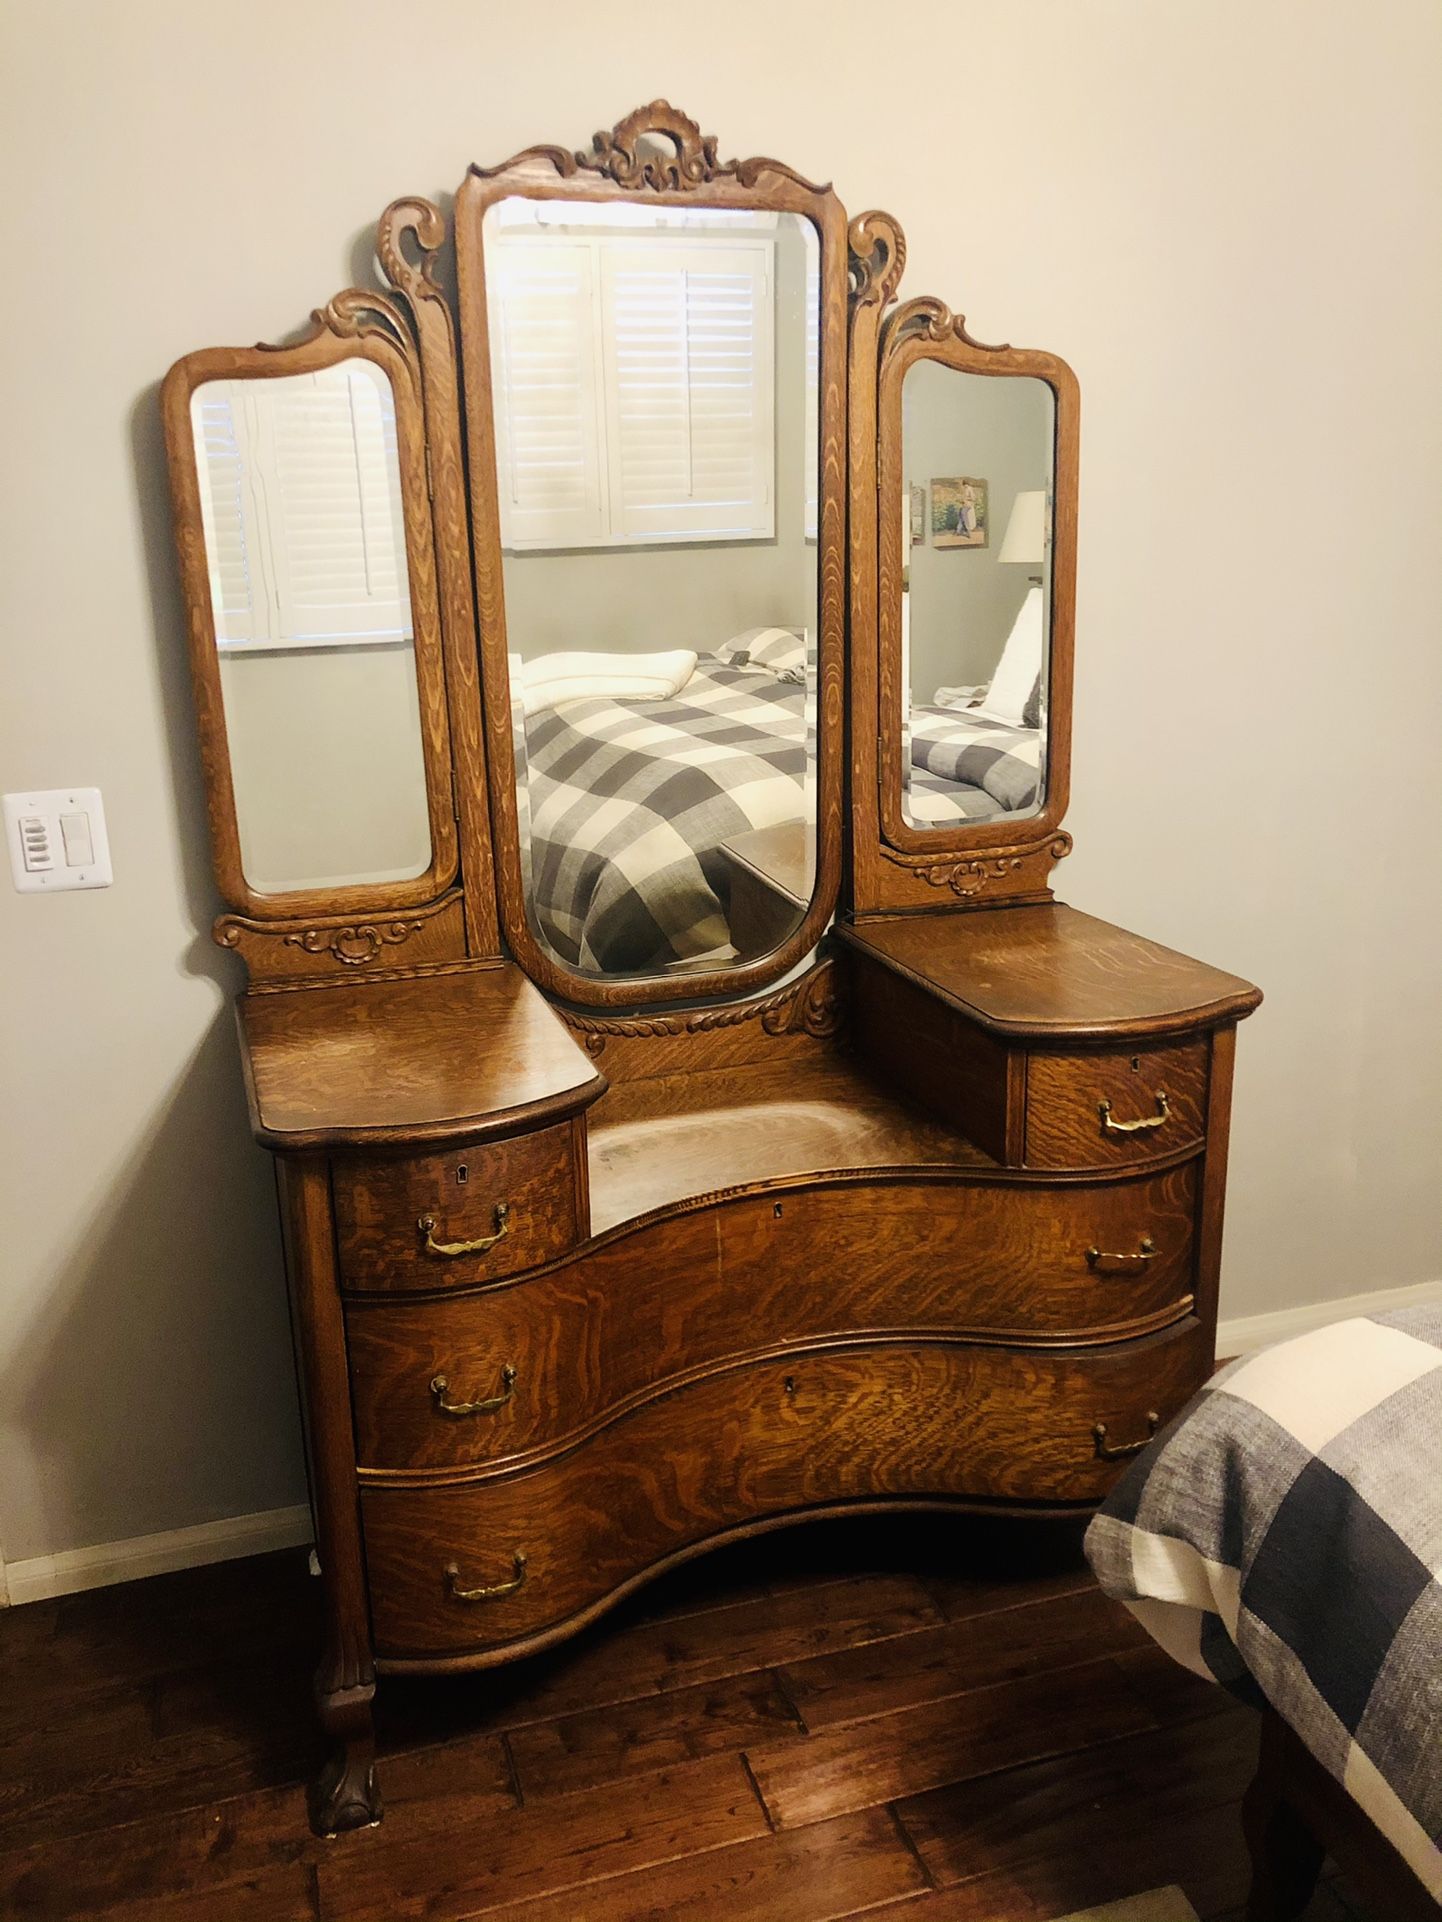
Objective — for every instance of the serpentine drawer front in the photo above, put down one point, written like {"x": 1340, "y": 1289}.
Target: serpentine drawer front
{"x": 541, "y": 1360}
{"x": 828, "y": 1425}
{"x": 470, "y": 1215}
{"x": 1111, "y": 1107}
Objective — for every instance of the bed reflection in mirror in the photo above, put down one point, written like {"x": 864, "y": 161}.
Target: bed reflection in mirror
{"x": 655, "y": 396}
{"x": 977, "y": 453}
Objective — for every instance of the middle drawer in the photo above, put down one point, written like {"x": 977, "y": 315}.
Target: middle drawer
{"x": 485, "y": 1377}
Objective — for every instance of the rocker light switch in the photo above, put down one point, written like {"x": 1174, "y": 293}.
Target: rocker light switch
{"x": 57, "y": 840}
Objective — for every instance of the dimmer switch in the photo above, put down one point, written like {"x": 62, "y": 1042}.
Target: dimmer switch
{"x": 57, "y": 839}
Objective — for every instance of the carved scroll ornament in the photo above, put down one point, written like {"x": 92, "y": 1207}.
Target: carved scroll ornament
{"x": 629, "y": 157}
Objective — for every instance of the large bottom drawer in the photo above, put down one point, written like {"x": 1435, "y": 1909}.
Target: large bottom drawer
{"x": 473, "y": 1566}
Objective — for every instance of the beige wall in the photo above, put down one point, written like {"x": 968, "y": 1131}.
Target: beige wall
{"x": 1225, "y": 217}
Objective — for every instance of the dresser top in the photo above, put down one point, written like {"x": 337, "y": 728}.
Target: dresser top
{"x": 1048, "y": 971}
{"x": 466, "y": 1053}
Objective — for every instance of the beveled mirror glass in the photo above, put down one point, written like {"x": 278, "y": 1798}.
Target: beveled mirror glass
{"x": 976, "y": 502}
{"x": 305, "y": 552}
{"x": 656, "y": 413}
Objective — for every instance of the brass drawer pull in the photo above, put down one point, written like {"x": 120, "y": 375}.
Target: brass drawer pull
{"x": 427, "y": 1227}
{"x": 440, "y": 1384}
{"x": 1157, "y": 1120}
{"x": 1147, "y": 1252}
{"x": 1106, "y": 1453}
{"x": 496, "y": 1590}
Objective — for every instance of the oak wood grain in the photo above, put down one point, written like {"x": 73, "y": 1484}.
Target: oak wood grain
{"x": 598, "y": 1334}
{"x": 380, "y": 1202}
{"x": 465, "y": 1054}
{"x": 1046, "y": 971}
{"x": 663, "y": 1141}
{"x": 1065, "y": 1127}
{"x": 835, "y": 1424}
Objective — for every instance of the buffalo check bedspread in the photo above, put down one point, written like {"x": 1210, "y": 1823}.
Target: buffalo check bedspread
{"x": 1283, "y": 1536}
{"x": 626, "y": 804}
{"x": 965, "y": 767}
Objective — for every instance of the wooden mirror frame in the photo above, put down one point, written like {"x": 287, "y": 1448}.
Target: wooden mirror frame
{"x": 357, "y": 324}
{"x": 894, "y": 864}
{"x": 619, "y": 167}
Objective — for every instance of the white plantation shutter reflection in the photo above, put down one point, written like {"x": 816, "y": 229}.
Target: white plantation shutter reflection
{"x": 222, "y": 510}
{"x": 634, "y": 385}
{"x": 301, "y": 500}
{"x": 690, "y": 390}
{"x": 544, "y": 353}
{"x": 337, "y": 534}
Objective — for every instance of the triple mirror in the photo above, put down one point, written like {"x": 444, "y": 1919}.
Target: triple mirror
{"x": 634, "y": 759}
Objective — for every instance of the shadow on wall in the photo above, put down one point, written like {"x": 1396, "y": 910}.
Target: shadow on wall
{"x": 156, "y": 1386}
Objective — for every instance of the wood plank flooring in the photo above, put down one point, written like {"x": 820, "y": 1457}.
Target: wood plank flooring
{"x": 915, "y": 1721}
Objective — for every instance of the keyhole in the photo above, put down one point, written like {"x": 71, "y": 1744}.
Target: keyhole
{"x": 790, "y": 1384}
{"x": 463, "y": 1174}
{"x": 777, "y": 1211}
{"x": 1136, "y": 1064}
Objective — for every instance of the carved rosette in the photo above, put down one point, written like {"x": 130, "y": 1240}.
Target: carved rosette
{"x": 810, "y": 1006}
{"x": 299, "y": 949}
{"x": 357, "y": 945}
{"x": 999, "y": 873}
{"x": 630, "y": 157}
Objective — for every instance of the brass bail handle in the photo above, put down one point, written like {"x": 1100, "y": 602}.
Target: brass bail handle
{"x": 1107, "y": 1452}
{"x": 495, "y": 1589}
{"x": 439, "y": 1385}
{"x": 1145, "y": 1253}
{"x": 426, "y": 1227}
{"x": 1157, "y": 1120}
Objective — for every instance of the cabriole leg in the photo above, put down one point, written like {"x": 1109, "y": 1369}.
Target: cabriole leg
{"x": 344, "y": 1795}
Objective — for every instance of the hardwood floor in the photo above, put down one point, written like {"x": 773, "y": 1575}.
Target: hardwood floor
{"x": 919, "y": 1721}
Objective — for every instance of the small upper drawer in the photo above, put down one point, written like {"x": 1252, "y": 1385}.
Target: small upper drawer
{"x": 454, "y": 1219}
{"x": 1096, "y": 1110}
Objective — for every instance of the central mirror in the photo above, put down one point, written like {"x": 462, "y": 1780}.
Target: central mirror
{"x": 655, "y": 397}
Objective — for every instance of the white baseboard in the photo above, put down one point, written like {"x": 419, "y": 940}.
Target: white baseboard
{"x": 1241, "y": 1335}
{"x": 76, "y": 1568}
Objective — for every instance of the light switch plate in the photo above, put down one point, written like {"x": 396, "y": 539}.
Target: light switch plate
{"x": 50, "y": 848}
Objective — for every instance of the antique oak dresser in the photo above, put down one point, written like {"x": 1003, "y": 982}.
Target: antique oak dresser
{"x": 616, "y": 1227}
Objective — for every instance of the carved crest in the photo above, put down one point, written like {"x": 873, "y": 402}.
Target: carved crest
{"x": 633, "y": 157}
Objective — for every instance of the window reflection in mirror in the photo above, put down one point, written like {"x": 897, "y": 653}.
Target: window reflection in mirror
{"x": 305, "y": 546}
{"x": 977, "y": 454}
{"x": 655, "y": 392}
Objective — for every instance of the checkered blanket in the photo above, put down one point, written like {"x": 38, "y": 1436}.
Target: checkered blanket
{"x": 967, "y": 768}
{"x": 625, "y": 806}
{"x": 1284, "y": 1536}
